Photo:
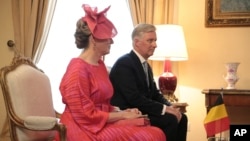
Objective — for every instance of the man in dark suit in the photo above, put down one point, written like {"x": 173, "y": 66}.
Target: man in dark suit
{"x": 135, "y": 88}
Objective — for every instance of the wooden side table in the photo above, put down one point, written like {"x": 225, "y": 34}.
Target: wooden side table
{"x": 237, "y": 102}
{"x": 182, "y": 106}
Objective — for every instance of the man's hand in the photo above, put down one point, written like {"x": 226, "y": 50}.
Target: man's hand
{"x": 174, "y": 111}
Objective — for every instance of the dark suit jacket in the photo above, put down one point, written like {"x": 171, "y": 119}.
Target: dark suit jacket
{"x": 131, "y": 89}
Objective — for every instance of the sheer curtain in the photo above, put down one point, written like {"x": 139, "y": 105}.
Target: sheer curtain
{"x": 43, "y": 40}
{"x": 60, "y": 46}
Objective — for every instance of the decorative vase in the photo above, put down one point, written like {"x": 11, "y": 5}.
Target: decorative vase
{"x": 231, "y": 76}
{"x": 168, "y": 83}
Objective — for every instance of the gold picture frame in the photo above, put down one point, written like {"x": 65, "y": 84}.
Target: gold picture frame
{"x": 227, "y": 13}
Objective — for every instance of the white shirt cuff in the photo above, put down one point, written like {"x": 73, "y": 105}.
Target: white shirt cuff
{"x": 163, "y": 109}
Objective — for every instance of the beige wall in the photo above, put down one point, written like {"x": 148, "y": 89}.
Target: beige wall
{"x": 208, "y": 48}
{"x": 6, "y": 33}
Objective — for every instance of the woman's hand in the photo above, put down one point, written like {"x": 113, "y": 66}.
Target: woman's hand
{"x": 116, "y": 109}
{"x": 133, "y": 110}
{"x": 118, "y": 114}
{"x": 131, "y": 113}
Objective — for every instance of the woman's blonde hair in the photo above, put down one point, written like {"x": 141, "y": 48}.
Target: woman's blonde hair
{"x": 82, "y": 34}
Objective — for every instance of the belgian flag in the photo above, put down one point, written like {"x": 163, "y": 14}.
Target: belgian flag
{"x": 217, "y": 119}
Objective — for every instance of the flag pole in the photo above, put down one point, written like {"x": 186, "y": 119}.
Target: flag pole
{"x": 221, "y": 92}
{"x": 222, "y": 98}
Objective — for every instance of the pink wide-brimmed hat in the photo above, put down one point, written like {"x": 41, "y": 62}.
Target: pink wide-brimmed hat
{"x": 99, "y": 25}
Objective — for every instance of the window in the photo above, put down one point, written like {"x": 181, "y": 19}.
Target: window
{"x": 60, "y": 46}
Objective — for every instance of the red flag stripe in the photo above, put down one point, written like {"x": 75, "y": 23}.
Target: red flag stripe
{"x": 217, "y": 126}
{"x": 217, "y": 119}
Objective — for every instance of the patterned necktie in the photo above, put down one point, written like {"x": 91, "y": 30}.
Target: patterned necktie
{"x": 145, "y": 67}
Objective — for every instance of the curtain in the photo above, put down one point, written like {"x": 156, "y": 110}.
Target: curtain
{"x": 29, "y": 20}
{"x": 50, "y": 14}
{"x": 152, "y": 12}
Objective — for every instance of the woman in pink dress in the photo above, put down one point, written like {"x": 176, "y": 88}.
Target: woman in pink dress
{"x": 86, "y": 89}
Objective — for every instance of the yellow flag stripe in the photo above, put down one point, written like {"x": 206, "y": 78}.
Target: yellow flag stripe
{"x": 216, "y": 113}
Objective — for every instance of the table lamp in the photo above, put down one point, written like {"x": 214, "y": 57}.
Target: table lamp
{"x": 171, "y": 46}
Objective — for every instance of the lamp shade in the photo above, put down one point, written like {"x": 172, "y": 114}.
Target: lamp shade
{"x": 171, "y": 43}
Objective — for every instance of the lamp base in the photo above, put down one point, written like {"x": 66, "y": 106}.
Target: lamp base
{"x": 171, "y": 98}
{"x": 167, "y": 85}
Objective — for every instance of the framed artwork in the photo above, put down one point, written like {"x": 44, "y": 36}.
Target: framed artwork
{"x": 227, "y": 13}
